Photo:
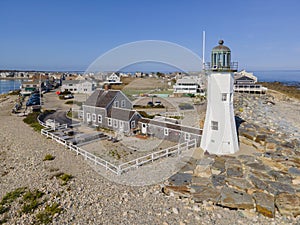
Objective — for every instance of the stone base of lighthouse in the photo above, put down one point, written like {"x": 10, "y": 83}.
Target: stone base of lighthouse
{"x": 219, "y": 132}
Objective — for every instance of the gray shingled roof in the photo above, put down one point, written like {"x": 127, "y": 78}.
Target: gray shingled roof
{"x": 172, "y": 126}
{"x": 101, "y": 98}
{"x": 121, "y": 114}
{"x": 71, "y": 81}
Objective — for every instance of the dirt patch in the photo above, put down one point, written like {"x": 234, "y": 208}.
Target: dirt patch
{"x": 146, "y": 83}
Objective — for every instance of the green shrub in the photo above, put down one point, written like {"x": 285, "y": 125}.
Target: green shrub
{"x": 46, "y": 216}
{"x": 70, "y": 102}
{"x": 64, "y": 177}
{"x": 11, "y": 196}
{"x": 32, "y": 195}
{"x": 30, "y": 207}
{"x": 3, "y": 209}
{"x": 146, "y": 115}
{"x": 31, "y": 199}
{"x": 48, "y": 157}
{"x": 4, "y": 220}
{"x": 32, "y": 120}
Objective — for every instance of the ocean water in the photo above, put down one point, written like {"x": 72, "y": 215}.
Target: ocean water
{"x": 284, "y": 76}
{"x": 9, "y": 85}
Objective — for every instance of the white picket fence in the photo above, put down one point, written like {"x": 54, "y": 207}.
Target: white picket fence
{"x": 175, "y": 150}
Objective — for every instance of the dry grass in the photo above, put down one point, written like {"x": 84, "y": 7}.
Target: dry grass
{"x": 291, "y": 91}
{"x": 146, "y": 84}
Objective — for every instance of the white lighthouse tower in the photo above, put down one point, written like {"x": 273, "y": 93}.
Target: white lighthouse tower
{"x": 219, "y": 132}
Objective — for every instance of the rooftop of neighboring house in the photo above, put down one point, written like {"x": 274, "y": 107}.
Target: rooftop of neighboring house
{"x": 187, "y": 80}
{"x": 173, "y": 126}
{"x": 38, "y": 77}
{"x": 71, "y": 81}
{"x": 101, "y": 98}
{"x": 75, "y": 81}
{"x": 121, "y": 113}
{"x": 244, "y": 73}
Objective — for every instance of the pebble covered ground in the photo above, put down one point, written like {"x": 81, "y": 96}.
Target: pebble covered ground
{"x": 84, "y": 196}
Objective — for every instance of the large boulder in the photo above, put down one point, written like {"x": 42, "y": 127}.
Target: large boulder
{"x": 264, "y": 204}
{"x": 203, "y": 167}
{"x": 238, "y": 183}
{"x": 288, "y": 204}
{"x": 235, "y": 199}
{"x": 204, "y": 193}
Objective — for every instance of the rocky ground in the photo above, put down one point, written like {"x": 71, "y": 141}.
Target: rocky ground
{"x": 265, "y": 181}
{"x": 66, "y": 190}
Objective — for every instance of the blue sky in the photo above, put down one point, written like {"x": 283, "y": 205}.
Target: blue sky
{"x": 70, "y": 35}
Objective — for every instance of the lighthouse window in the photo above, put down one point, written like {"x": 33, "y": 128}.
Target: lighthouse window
{"x": 214, "y": 125}
{"x": 224, "y": 97}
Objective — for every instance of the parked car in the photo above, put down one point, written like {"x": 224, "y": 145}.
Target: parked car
{"x": 150, "y": 104}
{"x": 157, "y": 103}
{"x": 68, "y": 96}
{"x": 33, "y": 102}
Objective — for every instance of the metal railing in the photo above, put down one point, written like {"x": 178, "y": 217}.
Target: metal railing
{"x": 232, "y": 67}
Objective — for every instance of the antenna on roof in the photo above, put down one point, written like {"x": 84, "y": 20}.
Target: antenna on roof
{"x": 203, "y": 51}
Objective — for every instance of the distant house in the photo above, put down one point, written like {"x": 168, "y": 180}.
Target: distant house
{"x": 113, "y": 79}
{"x": 78, "y": 86}
{"x": 27, "y": 87}
{"x": 57, "y": 78}
{"x": 110, "y": 109}
{"x": 246, "y": 82}
{"x": 188, "y": 85}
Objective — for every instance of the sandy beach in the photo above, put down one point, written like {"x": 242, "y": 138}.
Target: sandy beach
{"x": 88, "y": 198}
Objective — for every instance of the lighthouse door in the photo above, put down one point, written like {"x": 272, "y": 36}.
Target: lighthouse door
{"x": 144, "y": 128}
{"x": 226, "y": 147}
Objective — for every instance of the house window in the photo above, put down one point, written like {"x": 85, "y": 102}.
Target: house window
{"x": 94, "y": 117}
{"x": 88, "y": 117}
{"x": 224, "y": 97}
{"x": 80, "y": 114}
{"x": 132, "y": 124}
{"x": 115, "y": 123}
{"x": 109, "y": 122}
{"x": 187, "y": 136}
{"x": 214, "y": 125}
{"x": 166, "y": 131}
{"x": 116, "y": 103}
{"x": 99, "y": 118}
{"x": 123, "y": 104}
{"x": 121, "y": 124}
